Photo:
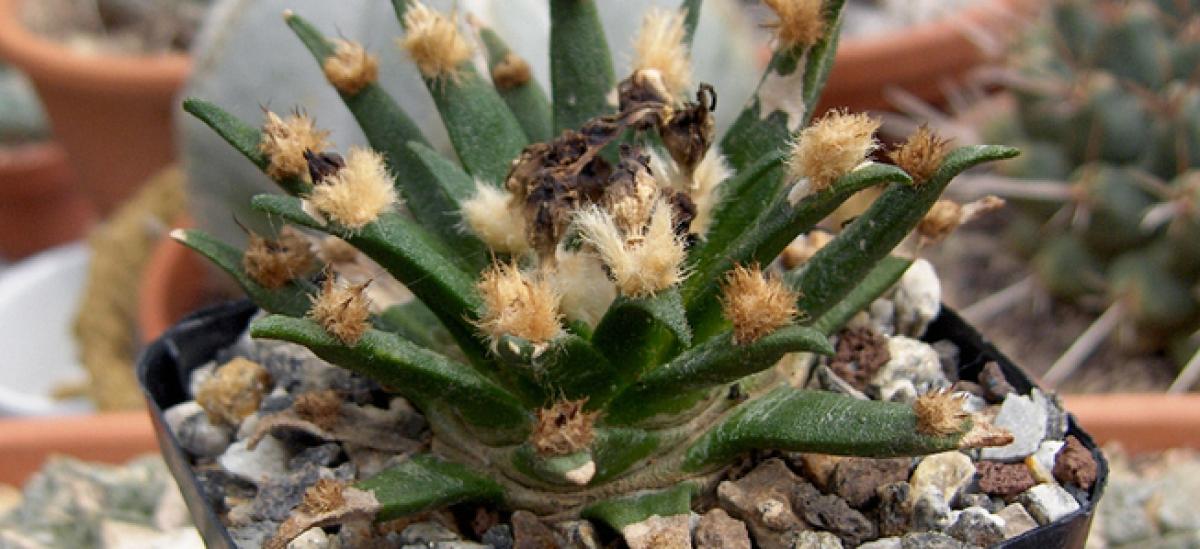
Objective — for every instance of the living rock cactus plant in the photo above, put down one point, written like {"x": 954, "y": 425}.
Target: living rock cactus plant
{"x": 593, "y": 331}
{"x": 1108, "y": 106}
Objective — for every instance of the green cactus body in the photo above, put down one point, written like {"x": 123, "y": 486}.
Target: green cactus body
{"x": 1110, "y": 107}
{"x": 626, "y": 411}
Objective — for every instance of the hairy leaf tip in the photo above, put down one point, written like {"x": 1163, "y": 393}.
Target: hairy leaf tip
{"x": 511, "y": 72}
{"x": 755, "y": 304}
{"x": 434, "y": 41}
{"x": 801, "y": 22}
{"x": 940, "y": 413}
{"x": 829, "y": 149}
{"x": 946, "y": 215}
{"x": 659, "y": 45}
{"x": 492, "y": 216}
{"x": 274, "y": 263}
{"x": 285, "y": 140}
{"x": 517, "y": 304}
{"x": 342, "y": 310}
{"x": 641, "y": 263}
{"x": 563, "y": 428}
{"x": 357, "y": 193}
{"x": 351, "y": 68}
{"x": 921, "y": 154}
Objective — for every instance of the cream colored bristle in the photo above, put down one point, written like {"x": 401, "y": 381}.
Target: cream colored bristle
{"x": 517, "y": 304}
{"x": 351, "y": 68}
{"x": 831, "y": 148}
{"x": 284, "y": 141}
{"x": 756, "y": 305}
{"x": 801, "y": 22}
{"x": 703, "y": 187}
{"x": 434, "y": 41}
{"x": 490, "y": 215}
{"x": 586, "y": 291}
{"x": 642, "y": 264}
{"x": 659, "y": 46}
{"x": 358, "y": 193}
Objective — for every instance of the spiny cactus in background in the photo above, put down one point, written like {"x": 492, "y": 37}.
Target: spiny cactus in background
{"x": 1108, "y": 104}
{"x": 588, "y": 276}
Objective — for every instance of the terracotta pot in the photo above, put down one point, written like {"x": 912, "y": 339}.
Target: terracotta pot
{"x": 39, "y": 204}
{"x": 1140, "y": 422}
{"x": 111, "y": 113}
{"x": 173, "y": 284}
{"x": 108, "y": 438}
{"x": 918, "y": 59}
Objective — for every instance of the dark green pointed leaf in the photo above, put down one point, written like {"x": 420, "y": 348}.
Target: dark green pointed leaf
{"x": 633, "y": 334}
{"x": 879, "y": 280}
{"x": 765, "y": 238}
{"x": 553, "y": 470}
{"x": 797, "y": 420}
{"x": 243, "y": 137}
{"x": 621, "y": 512}
{"x": 527, "y": 101}
{"x": 691, "y": 19}
{"x": 410, "y": 254}
{"x": 292, "y": 299}
{"x": 617, "y": 450}
{"x": 417, "y": 373}
{"x": 716, "y": 362}
{"x": 426, "y": 483}
{"x": 842, "y": 264}
{"x": 581, "y": 71}
{"x": 485, "y": 133}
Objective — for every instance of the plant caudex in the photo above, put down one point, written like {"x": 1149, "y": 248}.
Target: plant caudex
{"x": 598, "y": 329}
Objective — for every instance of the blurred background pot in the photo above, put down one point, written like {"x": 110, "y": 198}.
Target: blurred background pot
{"x": 112, "y": 113}
{"x": 39, "y": 204}
{"x": 114, "y": 438}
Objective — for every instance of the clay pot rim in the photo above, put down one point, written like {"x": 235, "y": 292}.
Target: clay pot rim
{"x": 27, "y": 155}
{"x": 46, "y": 60}
{"x": 110, "y": 437}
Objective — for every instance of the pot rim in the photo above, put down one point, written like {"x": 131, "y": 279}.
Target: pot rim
{"x": 48, "y": 62}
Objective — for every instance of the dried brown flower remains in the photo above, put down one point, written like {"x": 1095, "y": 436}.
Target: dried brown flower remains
{"x": 343, "y": 311}
{"x": 563, "y": 428}
{"x": 274, "y": 263}
{"x": 285, "y": 140}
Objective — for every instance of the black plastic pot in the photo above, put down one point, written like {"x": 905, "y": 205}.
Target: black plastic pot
{"x": 165, "y": 367}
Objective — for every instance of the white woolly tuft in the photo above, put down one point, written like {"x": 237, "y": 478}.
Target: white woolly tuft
{"x": 641, "y": 265}
{"x": 586, "y": 291}
{"x": 704, "y": 187}
{"x": 490, "y": 216}
{"x": 358, "y": 193}
{"x": 659, "y": 46}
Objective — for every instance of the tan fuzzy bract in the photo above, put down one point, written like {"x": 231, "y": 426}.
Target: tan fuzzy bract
{"x": 643, "y": 264}
{"x": 351, "y": 68}
{"x": 322, "y": 497}
{"x": 490, "y": 215}
{"x": 343, "y": 311}
{"x": 756, "y": 305}
{"x": 433, "y": 41}
{"x": 563, "y": 428}
{"x": 832, "y": 147}
{"x": 234, "y": 391}
{"x": 321, "y": 408}
{"x": 284, "y": 141}
{"x": 921, "y": 154}
{"x": 517, "y": 304}
{"x": 659, "y": 45}
{"x": 510, "y": 72}
{"x": 940, "y": 413}
{"x": 358, "y": 193}
{"x": 801, "y": 22}
{"x": 274, "y": 263}
{"x": 941, "y": 220}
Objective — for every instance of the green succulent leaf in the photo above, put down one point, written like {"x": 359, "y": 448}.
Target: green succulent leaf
{"x": 553, "y": 470}
{"x": 484, "y": 132}
{"x": 424, "y": 483}
{"x": 526, "y": 101}
{"x": 581, "y": 70}
{"x": 691, "y": 19}
{"x": 414, "y": 372}
{"x": 412, "y": 255}
{"x": 631, "y": 333}
{"x": 243, "y": 137}
{"x": 766, "y": 237}
{"x": 816, "y": 421}
{"x": 841, "y": 265}
{"x": 414, "y": 321}
{"x": 621, "y": 512}
{"x": 716, "y": 362}
{"x": 617, "y": 450}
{"x": 879, "y": 280}
{"x": 291, "y": 299}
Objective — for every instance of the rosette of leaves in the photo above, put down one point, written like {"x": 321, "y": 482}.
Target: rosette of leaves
{"x": 591, "y": 333}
